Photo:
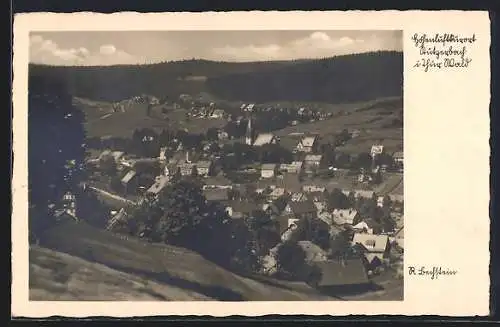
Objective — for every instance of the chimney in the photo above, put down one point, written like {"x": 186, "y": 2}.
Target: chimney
{"x": 187, "y": 157}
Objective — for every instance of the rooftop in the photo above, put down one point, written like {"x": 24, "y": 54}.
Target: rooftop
{"x": 128, "y": 176}
{"x": 313, "y": 157}
{"x": 373, "y": 243}
{"x": 264, "y": 138}
{"x": 243, "y": 206}
{"x": 344, "y": 216}
{"x": 338, "y": 273}
{"x": 203, "y": 164}
{"x": 216, "y": 195}
{"x": 308, "y": 141}
{"x": 313, "y": 252}
{"x": 268, "y": 166}
{"x": 301, "y": 207}
{"x": 398, "y": 154}
{"x": 217, "y": 181}
{"x": 159, "y": 185}
{"x": 296, "y": 165}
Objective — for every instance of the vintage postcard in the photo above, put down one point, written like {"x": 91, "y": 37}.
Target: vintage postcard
{"x": 251, "y": 163}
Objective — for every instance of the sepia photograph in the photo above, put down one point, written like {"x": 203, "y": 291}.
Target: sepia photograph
{"x": 216, "y": 165}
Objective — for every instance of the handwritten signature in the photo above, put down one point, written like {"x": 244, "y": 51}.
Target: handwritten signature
{"x": 433, "y": 272}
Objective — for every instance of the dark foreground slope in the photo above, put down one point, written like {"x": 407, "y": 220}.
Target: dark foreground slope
{"x": 56, "y": 276}
{"x": 343, "y": 79}
{"x": 172, "y": 273}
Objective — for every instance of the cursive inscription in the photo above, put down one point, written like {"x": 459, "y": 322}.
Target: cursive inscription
{"x": 431, "y": 272}
{"x": 442, "y": 51}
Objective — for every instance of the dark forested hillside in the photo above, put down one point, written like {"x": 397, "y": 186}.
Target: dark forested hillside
{"x": 349, "y": 78}
{"x": 353, "y": 78}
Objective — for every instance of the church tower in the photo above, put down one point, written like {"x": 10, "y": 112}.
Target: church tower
{"x": 248, "y": 136}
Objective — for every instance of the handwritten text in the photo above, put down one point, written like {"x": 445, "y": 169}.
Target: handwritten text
{"x": 442, "y": 51}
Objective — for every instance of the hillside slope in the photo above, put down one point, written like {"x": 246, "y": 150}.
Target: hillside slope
{"x": 343, "y": 79}
{"x": 350, "y": 78}
{"x": 56, "y": 276}
{"x": 174, "y": 267}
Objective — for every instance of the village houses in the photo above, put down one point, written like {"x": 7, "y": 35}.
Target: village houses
{"x": 292, "y": 168}
{"x": 368, "y": 226}
{"x": 160, "y": 183}
{"x": 344, "y": 216}
{"x": 268, "y": 170}
{"x": 312, "y": 163}
{"x": 307, "y": 144}
{"x": 264, "y": 138}
{"x": 375, "y": 248}
{"x": 376, "y": 150}
{"x": 398, "y": 157}
{"x": 129, "y": 181}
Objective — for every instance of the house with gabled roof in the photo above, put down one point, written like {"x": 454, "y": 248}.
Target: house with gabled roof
{"x": 368, "y": 225}
{"x": 268, "y": 170}
{"x": 294, "y": 167}
{"x": 319, "y": 199}
{"x": 398, "y": 156}
{"x": 344, "y": 276}
{"x": 302, "y": 209}
{"x": 312, "y": 162}
{"x": 311, "y": 188}
{"x": 240, "y": 209}
{"x": 376, "y": 149}
{"x": 276, "y": 193}
{"x": 264, "y": 138}
{"x": 216, "y": 195}
{"x": 217, "y": 182}
{"x": 375, "y": 248}
{"x": 160, "y": 183}
{"x": 297, "y": 196}
{"x": 313, "y": 252}
{"x": 307, "y": 144}
{"x": 204, "y": 168}
{"x": 129, "y": 181}
{"x": 344, "y": 216}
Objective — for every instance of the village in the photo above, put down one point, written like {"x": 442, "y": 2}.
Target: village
{"x": 313, "y": 194}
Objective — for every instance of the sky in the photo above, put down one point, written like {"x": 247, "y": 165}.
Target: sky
{"x": 91, "y": 48}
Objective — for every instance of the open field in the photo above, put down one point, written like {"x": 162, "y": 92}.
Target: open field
{"x": 102, "y": 121}
{"x": 391, "y": 139}
{"x": 335, "y": 107}
{"x": 166, "y": 265}
{"x": 371, "y": 118}
{"x": 373, "y": 123}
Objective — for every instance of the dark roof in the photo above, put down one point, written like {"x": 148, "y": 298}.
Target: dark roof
{"x": 334, "y": 273}
{"x": 243, "y": 206}
{"x": 372, "y": 223}
{"x": 301, "y": 207}
{"x": 216, "y": 195}
{"x": 217, "y": 180}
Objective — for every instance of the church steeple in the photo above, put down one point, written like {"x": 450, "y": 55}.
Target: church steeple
{"x": 248, "y": 136}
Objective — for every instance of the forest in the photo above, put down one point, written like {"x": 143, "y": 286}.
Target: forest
{"x": 342, "y": 79}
